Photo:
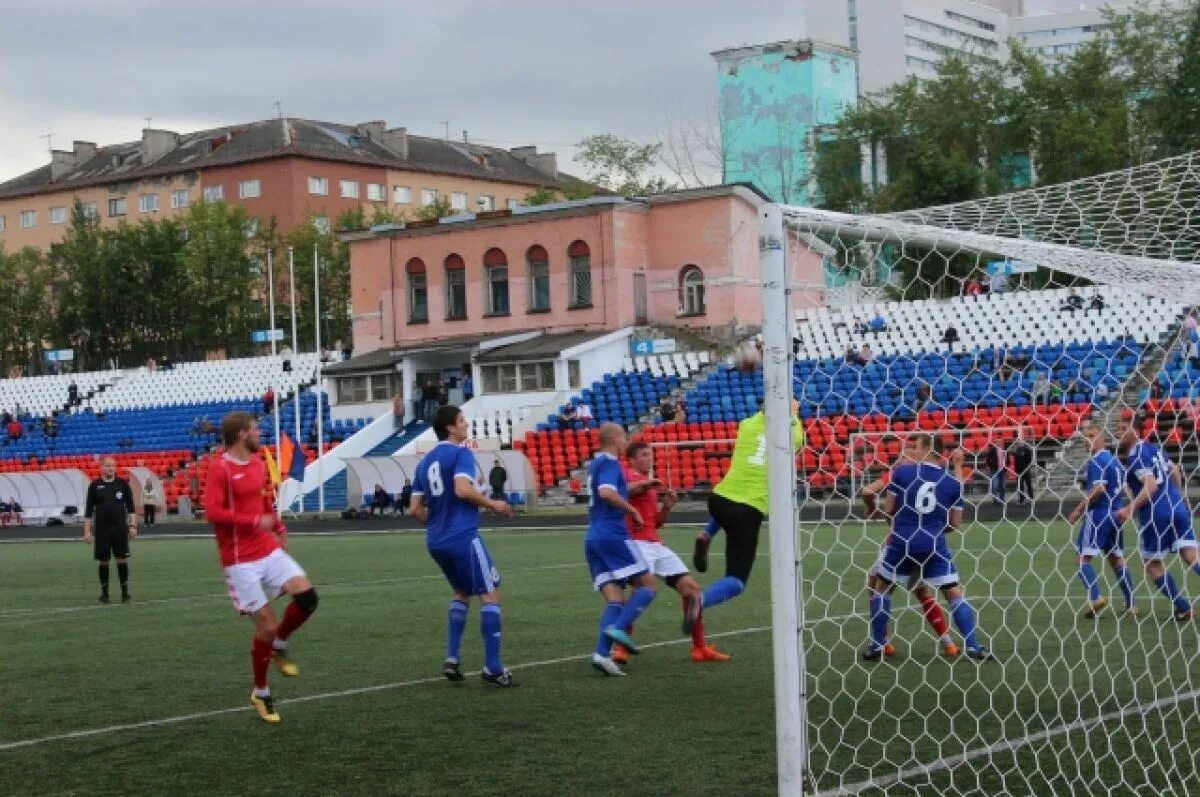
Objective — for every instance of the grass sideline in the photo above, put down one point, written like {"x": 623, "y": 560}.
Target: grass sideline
{"x": 672, "y": 727}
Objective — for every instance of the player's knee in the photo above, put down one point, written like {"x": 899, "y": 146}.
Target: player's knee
{"x": 307, "y": 600}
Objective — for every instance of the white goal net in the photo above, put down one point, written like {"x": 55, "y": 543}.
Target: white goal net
{"x": 1003, "y": 328}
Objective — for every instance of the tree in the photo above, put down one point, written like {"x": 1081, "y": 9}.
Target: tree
{"x": 693, "y": 152}
{"x": 1180, "y": 119}
{"x": 542, "y": 196}
{"x": 437, "y": 209}
{"x": 27, "y": 320}
{"x": 621, "y": 165}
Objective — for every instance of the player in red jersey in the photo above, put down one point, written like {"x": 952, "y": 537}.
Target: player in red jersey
{"x": 662, "y": 561}
{"x": 239, "y": 503}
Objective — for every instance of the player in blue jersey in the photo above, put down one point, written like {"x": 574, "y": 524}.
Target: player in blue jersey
{"x": 1100, "y": 534}
{"x": 924, "y": 500}
{"x": 1164, "y": 519}
{"x": 446, "y": 499}
{"x": 612, "y": 556}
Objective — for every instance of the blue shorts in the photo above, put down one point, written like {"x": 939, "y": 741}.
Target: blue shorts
{"x": 935, "y": 568}
{"x": 467, "y": 565}
{"x": 1100, "y": 537}
{"x": 1167, "y": 532}
{"x": 613, "y": 560}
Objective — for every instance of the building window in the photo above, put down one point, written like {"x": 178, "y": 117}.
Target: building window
{"x": 538, "y": 264}
{"x": 28, "y": 218}
{"x": 249, "y": 189}
{"x": 89, "y": 210}
{"x": 376, "y": 192}
{"x": 179, "y": 200}
{"x": 349, "y": 189}
{"x": 574, "y": 375}
{"x": 458, "y": 200}
{"x": 495, "y": 272}
{"x": 428, "y": 196}
{"x": 456, "y": 287}
{"x": 581, "y": 274}
{"x": 213, "y": 193}
{"x": 251, "y": 228}
{"x": 487, "y": 203}
{"x": 318, "y": 186}
{"x": 402, "y": 195}
{"x": 116, "y": 207}
{"x": 512, "y": 204}
{"x": 3, "y": 224}
{"x": 58, "y": 215}
{"x": 691, "y": 291}
{"x": 320, "y": 223}
{"x": 353, "y": 389}
{"x": 418, "y": 291}
{"x": 148, "y": 203}
{"x": 533, "y": 377}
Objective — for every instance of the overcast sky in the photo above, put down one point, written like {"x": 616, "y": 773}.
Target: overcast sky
{"x": 512, "y": 73}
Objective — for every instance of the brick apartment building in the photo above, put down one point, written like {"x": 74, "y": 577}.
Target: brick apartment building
{"x": 285, "y": 168}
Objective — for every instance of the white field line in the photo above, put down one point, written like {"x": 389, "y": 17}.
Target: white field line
{"x": 182, "y": 718}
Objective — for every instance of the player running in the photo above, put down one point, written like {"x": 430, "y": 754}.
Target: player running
{"x": 1163, "y": 513}
{"x": 239, "y": 503}
{"x": 924, "y": 501}
{"x": 922, "y": 591}
{"x": 1100, "y": 533}
{"x": 662, "y": 561}
{"x": 613, "y": 558}
{"x": 738, "y": 504}
{"x": 446, "y": 499}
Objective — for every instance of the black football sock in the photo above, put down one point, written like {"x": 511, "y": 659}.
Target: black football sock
{"x": 123, "y": 576}
{"x": 104, "y": 577}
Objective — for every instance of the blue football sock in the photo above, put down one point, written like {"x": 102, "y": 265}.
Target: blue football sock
{"x": 964, "y": 618}
{"x": 1087, "y": 574}
{"x": 1125, "y": 582}
{"x": 1196, "y": 567}
{"x": 489, "y": 625}
{"x": 637, "y": 603}
{"x": 458, "y": 623}
{"x": 722, "y": 590}
{"x": 1167, "y": 586}
{"x": 881, "y": 616}
{"x": 711, "y": 529}
{"x": 611, "y": 612}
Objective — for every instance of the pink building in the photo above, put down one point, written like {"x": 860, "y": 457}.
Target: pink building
{"x": 685, "y": 259}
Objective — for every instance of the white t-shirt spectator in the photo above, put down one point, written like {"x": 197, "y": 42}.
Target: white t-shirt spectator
{"x": 583, "y": 412}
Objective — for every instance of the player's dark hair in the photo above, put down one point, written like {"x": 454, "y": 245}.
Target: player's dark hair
{"x": 936, "y": 443}
{"x": 924, "y": 438}
{"x": 635, "y": 449}
{"x": 233, "y": 424}
{"x": 443, "y": 419}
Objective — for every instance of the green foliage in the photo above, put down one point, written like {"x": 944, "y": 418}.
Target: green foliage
{"x": 438, "y": 209}
{"x": 621, "y": 165}
{"x": 542, "y": 196}
{"x": 1180, "y": 117}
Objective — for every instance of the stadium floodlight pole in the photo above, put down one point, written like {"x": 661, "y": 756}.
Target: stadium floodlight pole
{"x": 274, "y": 359}
{"x": 317, "y": 392}
{"x": 787, "y": 610}
{"x": 299, "y": 441}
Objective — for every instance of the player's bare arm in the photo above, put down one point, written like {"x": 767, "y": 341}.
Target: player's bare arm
{"x": 1087, "y": 503}
{"x": 419, "y": 510}
{"x": 870, "y": 498}
{"x": 1149, "y": 486}
{"x": 610, "y": 495}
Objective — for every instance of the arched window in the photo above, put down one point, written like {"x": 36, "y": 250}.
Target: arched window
{"x": 580, "y": 257}
{"x": 537, "y": 260}
{"x": 456, "y": 287}
{"x": 495, "y": 282}
{"x": 691, "y": 291}
{"x": 418, "y": 291}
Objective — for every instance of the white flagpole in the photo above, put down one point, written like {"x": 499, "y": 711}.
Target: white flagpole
{"x": 320, "y": 425}
{"x": 275, "y": 386}
{"x": 299, "y": 441}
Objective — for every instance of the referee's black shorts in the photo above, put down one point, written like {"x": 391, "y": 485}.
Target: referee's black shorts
{"x": 741, "y": 524}
{"x": 111, "y": 542}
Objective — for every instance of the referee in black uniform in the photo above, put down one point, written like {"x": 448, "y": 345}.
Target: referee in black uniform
{"x": 110, "y": 503}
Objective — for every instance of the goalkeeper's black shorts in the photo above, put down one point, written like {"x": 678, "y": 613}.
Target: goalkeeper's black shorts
{"x": 741, "y": 524}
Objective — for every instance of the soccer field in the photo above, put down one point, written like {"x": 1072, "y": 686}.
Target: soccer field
{"x": 151, "y": 697}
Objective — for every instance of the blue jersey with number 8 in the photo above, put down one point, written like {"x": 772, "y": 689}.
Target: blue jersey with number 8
{"x": 925, "y": 496}
{"x": 450, "y": 517}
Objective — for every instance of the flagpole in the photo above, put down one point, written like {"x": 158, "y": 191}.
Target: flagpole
{"x": 298, "y": 448}
{"x": 274, "y": 361}
{"x": 317, "y": 344}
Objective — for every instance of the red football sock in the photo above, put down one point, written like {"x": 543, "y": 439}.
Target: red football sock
{"x": 260, "y": 657}
{"x": 293, "y": 618}
{"x": 698, "y": 640}
{"x": 629, "y": 629}
{"x": 935, "y": 615}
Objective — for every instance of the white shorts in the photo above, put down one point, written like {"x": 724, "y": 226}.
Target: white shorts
{"x": 253, "y": 584}
{"x": 661, "y": 560}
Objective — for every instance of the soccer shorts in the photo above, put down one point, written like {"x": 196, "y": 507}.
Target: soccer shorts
{"x": 253, "y": 584}
{"x": 935, "y": 568}
{"x": 662, "y": 561}
{"x": 741, "y": 523}
{"x": 1100, "y": 537}
{"x": 914, "y": 578}
{"x": 467, "y": 565}
{"x": 613, "y": 561}
{"x": 1166, "y": 532}
{"x": 108, "y": 543}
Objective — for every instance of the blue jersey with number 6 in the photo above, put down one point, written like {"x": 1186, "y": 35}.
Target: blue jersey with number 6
{"x": 925, "y": 496}
{"x": 1147, "y": 460}
{"x": 450, "y": 517}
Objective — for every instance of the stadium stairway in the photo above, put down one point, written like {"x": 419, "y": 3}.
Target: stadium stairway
{"x": 398, "y": 440}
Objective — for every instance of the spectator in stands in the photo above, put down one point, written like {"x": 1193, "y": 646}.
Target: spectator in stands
{"x": 865, "y": 355}
{"x": 50, "y": 426}
{"x": 950, "y": 337}
{"x": 972, "y": 287}
{"x": 584, "y": 412}
{"x": 1101, "y": 391}
{"x": 268, "y": 401}
{"x": 151, "y": 365}
{"x": 997, "y": 467}
{"x": 10, "y": 512}
{"x": 194, "y": 483}
{"x": 1192, "y": 347}
{"x": 285, "y": 357}
{"x": 5, "y": 513}
{"x": 397, "y": 412}
{"x": 566, "y": 418}
{"x": 1072, "y": 303}
{"x": 1097, "y": 304}
{"x": 324, "y": 354}
{"x": 859, "y": 327}
{"x": 405, "y": 500}
{"x": 125, "y": 443}
{"x": 1040, "y": 392}
{"x": 15, "y": 430}
{"x": 6, "y": 418}
{"x": 73, "y": 394}
{"x": 924, "y": 395}
{"x": 380, "y": 499}
{"x": 1023, "y": 461}
{"x": 497, "y": 479}
{"x": 443, "y": 393}
{"x": 667, "y": 411}
{"x": 1057, "y": 394}
{"x": 429, "y": 400}
{"x": 851, "y": 355}
{"x": 150, "y": 499}
{"x": 165, "y": 364}
{"x": 878, "y": 324}
{"x": 997, "y": 284}
{"x": 1157, "y": 389}
{"x": 468, "y": 384}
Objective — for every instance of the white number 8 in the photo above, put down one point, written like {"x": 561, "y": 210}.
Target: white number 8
{"x": 436, "y": 486}
{"x": 926, "y": 498}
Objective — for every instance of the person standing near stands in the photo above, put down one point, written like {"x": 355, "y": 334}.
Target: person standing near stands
{"x": 110, "y": 505}
{"x": 149, "y": 502}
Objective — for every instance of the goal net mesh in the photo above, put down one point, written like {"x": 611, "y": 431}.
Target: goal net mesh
{"x": 1007, "y": 324}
